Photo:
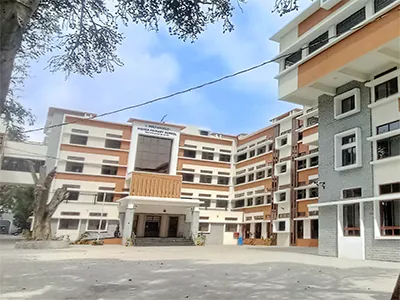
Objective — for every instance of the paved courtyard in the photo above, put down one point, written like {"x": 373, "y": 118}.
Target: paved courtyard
{"x": 213, "y": 272}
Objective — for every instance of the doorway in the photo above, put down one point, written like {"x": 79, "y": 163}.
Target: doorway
{"x": 257, "y": 233}
{"x": 152, "y": 226}
{"x": 173, "y": 226}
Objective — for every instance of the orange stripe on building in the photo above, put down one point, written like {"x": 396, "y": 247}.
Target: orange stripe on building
{"x": 265, "y": 209}
{"x": 262, "y": 158}
{"x": 187, "y": 138}
{"x": 204, "y": 163}
{"x": 123, "y": 156}
{"x": 267, "y": 183}
{"x": 317, "y": 17}
{"x": 303, "y": 175}
{"x": 302, "y": 206}
{"x": 210, "y": 187}
{"x": 267, "y": 132}
{"x": 310, "y": 131}
{"x": 359, "y": 43}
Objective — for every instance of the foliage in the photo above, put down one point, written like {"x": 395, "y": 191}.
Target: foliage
{"x": 18, "y": 200}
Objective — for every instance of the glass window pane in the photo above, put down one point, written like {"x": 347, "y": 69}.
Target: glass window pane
{"x": 153, "y": 154}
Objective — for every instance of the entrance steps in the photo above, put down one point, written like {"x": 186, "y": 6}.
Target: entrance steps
{"x": 162, "y": 242}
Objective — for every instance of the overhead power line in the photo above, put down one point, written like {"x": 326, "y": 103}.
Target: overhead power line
{"x": 193, "y": 88}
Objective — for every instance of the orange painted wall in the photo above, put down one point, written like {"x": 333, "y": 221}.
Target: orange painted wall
{"x": 204, "y": 163}
{"x": 265, "y": 157}
{"x": 268, "y": 132}
{"x": 359, "y": 43}
{"x": 267, "y": 183}
{"x": 317, "y": 17}
{"x": 307, "y": 242}
{"x": 303, "y": 175}
{"x": 302, "y": 206}
{"x": 188, "y": 138}
{"x": 123, "y": 156}
{"x": 310, "y": 131}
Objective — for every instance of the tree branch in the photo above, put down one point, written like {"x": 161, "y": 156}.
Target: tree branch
{"x": 33, "y": 171}
{"x": 59, "y": 196}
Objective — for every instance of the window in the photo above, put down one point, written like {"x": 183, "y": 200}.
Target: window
{"x": 282, "y": 197}
{"x": 70, "y": 213}
{"x": 112, "y": 144}
{"x": 260, "y": 175}
{"x": 230, "y": 227}
{"x": 301, "y": 194}
{"x": 20, "y": 164}
{"x": 381, "y": 4}
{"x": 390, "y": 188}
{"x": 78, "y": 139}
{"x": 317, "y": 43}
{"x": 68, "y": 224}
{"x": 282, "y": 226}
{"x": 347, "y": 104}
{"x": 153, "y": 154}
{"x": 189, "y": 153}
{"x": 74, "y": 167}
{"x": 282, "y": 169}
{"x": 313, "y": 192}
{"x": 205, "y": 203}
{"x": 351, "y": 219}
{"x": 301, "y": 164}
{"x": 112, "y": 135}
{"x": 386, "y": 89}
{"x": 312, "y": 121}
{"x": 292, "y": 59}
{"x": 204, "y": 132}
{"x": 250, "y": 177}
{"x": 252, "y": 153}
{"x": 283, "y": 141}
{"x": 221, "y": 204}
{"x": 223, "y": 180}
{"x": 269, "y": 172}
{"x": 205, "y": 178}
{"x": 314, "y": 161}
{"x": 204, "y": 227}
{"x": 300, "y": 136}
{"x": 79, "y": 131}
{"x": 73, "y": 195}
{"x": 207, "y": 155}
{"x": 187, "y": 177}
{"x": 269, "y": 199}
{"x": 77, "y": 158}
{"x": 352, "y": 193}
{"x": 105, "y": 197}
{"x": 240, "y": 180}
{"x": 388, "y": 147}
{"x": 314, "y": 229}
{"x": 300, "y": 229}
{"x": 348, "y": 149}
{"x": 242, "y": 157}
{"x": 350, "y": 22}
{"x": 260, "y": 200}
{"x": 261, "y": 150}
{"x": 390, "y": 218}
{"x": 388, "y": 127}
{"x": 224, "y": 157}
{"x": 94, "y": 225}
{"x": 239, "y": 203}
{"x": 250, "y": 202}
{"x": 109, "y": 170}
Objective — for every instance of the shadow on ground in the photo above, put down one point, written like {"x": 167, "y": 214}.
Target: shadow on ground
{"x": 186, "y": 279}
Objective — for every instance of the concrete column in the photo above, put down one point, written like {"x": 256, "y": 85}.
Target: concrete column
{"x": 141, "y": 225}
{"x": 181, "y": 226}
{"x": 128, "y": 223}
{"x": 164, "y": 226}
{"x": 194, "y": 225}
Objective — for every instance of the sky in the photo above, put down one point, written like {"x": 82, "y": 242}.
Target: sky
{"x": 157, "y": 64}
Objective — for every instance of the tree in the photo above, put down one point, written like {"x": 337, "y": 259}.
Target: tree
{"x": 85, "y": 33}
{"x": 17, "y": 200}
{"x": 43, "y": 211}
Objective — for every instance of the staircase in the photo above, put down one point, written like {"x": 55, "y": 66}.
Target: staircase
{"x": 162, "y": 242}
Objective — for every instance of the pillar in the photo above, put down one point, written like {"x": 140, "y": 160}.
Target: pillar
{"x": 194, "y": 225}
{"x": 164, "y": 226}
{"x": 128, "y": 223}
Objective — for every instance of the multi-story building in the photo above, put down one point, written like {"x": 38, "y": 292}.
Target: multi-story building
{"x": 343, "y": 57}
{"x": 14, "y": 170}
{"x": 167, "y": 180}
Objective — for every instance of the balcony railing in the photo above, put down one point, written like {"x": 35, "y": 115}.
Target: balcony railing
{"x": 156, "y": 185}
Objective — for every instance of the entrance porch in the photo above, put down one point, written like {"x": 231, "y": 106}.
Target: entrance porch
{"x": 156, "y": 217}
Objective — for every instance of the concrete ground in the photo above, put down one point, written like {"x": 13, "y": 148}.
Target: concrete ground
{"x": 211, "y": 272}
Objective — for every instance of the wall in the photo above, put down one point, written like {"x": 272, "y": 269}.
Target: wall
{"x": 327, "y": 235}
{"x": 52, "y": 139}
{"x": 216, "y": 235}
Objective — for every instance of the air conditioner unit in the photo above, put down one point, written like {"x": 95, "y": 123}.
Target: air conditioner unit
{"x": 328, "y": 4}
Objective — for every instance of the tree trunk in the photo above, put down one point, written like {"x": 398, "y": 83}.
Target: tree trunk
{"x": 14, "y": 15}
{"x": 396, "y": 291}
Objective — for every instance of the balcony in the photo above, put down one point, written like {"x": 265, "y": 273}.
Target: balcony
{"x": 156, "y": 185}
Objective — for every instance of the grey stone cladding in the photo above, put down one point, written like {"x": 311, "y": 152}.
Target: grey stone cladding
{"x": 336, "y": 181}
{"x": 388, "y": 250}
{"x": 327, "y": 235}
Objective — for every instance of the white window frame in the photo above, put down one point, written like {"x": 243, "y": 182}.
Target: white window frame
{"x": 279, "y": 165}
{"x": 96, "y": 230}
{"x": 209, "y": 227}
{"x": 337, "y": 103}
{"x": 339, "y": 147}
{"x": 275, "y": 226}
{"x": 278, "y": 145}
{"x": 65, "y": 217}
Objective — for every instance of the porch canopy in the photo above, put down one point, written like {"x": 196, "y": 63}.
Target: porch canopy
{"x": 128, "y": 201}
